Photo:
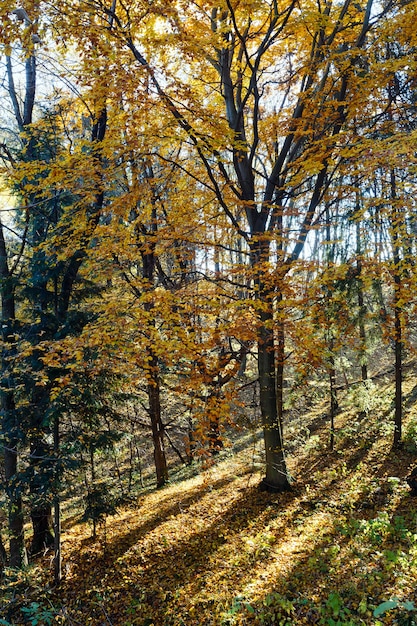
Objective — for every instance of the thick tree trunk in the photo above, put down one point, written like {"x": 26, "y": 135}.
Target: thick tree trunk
{"x": 276, "y": 478}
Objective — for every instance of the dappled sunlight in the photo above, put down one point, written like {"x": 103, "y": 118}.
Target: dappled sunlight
{"x": 213, "y": 548}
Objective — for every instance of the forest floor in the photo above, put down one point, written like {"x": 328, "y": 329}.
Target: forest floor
{"x": 211, "y": 549}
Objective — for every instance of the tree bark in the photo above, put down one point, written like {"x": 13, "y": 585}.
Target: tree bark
{"x": 40, "y": 485}
{"x": 334, "y": 405}
{"x": 398, "y": 376}
{"x": 276, "y": 476}
{"x": 57, "y": 514}
{"x": 10, "y": 425}
{"x": 361, "y": 302}
{"x": 154, "y": 386}
{"x": 396, "y": 219}
{"x": 280, "y": 358}
{"x": 362, "y": 331}
{"x": 41, "y": 523}
{"x": 157, "y": 427}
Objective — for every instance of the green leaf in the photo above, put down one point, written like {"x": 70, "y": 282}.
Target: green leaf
{"x": 249, "y": 608}
{"x": 385, "y": 606}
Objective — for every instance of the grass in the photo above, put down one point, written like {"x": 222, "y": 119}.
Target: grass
{"x": 211, "y": 549}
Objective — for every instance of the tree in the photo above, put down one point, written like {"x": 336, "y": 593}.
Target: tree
{"x": 10, "y": 329}
{"x": 267, "y": 148}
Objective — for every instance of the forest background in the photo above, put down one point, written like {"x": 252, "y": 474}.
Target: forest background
{"x": 207, "y": 209}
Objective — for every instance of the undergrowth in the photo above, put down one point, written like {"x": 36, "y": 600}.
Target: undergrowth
{"x": 210, "y": 549}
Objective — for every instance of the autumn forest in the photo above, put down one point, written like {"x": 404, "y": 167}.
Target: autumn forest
{"x": 208, "y": 234}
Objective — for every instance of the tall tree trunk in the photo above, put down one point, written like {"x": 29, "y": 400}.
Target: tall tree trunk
{"x": 10, "y": 426}
{"x": 40, "y": 514}
{"x": 362, "y": 331}
{"x": 334, "y": 405}
{"x": 23, "y": 111}
{"x": 331, "y": 367}
{"x": 276, "y": 478}
{"x": 215, "y": 441}
{"x": 398, "y": 375}
{"x": 57, "y": 514}
{"x": 238, "y": 89}
{"x": 280, "y": 358}
{"x": 154, "y": 398}
{"x": 154, "y": 385}
{"x": 361, "y": 302}
{"x": 398, "y": 333}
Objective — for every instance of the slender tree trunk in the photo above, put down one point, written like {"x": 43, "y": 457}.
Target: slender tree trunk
{"x": 3, "y": 555}
{"x": 331, "y": 368}
{"x": 362, "y": 332}
{"x": 191, "y": 443}
{"x": 41, "y": 484}
{"x": 147, "y": 234}
{"x": 280, "y": 358}
{"x": 334, "y": 405}
{"x": 215, "y": 440}
{"x": 361, "y": 302}
{"x": 398, "y": 377}
{"x": 214, "y": 435}
{"x": 398, "y": 334}
{"x": 57, "y": 515}
{"x": 242, "y": 295}
{"x": 156, "y": 421}
{"x": 93, "y": 481}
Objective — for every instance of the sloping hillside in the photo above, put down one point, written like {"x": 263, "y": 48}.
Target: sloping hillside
{"x": 213, "y": 550}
